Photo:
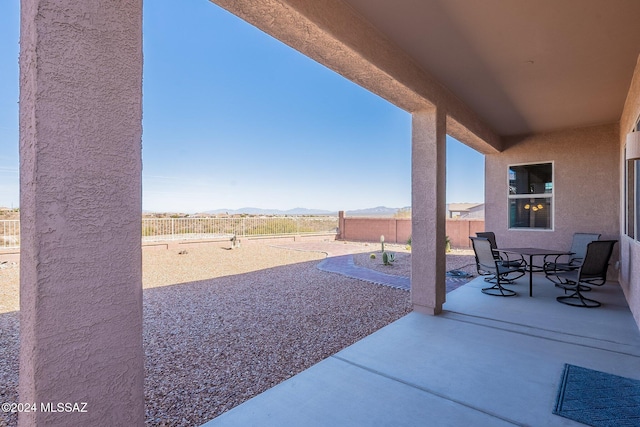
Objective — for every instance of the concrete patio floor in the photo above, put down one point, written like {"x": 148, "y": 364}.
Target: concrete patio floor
{"x": 486, "y": 361}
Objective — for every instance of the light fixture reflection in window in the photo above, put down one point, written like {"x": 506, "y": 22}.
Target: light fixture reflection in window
{"x": 534, "y": 208}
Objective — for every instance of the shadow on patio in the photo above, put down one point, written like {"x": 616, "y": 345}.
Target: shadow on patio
{"x": 486, "y": 361}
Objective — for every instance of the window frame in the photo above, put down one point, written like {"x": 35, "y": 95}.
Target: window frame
{"x": 631, "y": 198}
{"x": 632, "y": 193}
{"x": 637, "y": 199}
{"x": 550, "y": 196}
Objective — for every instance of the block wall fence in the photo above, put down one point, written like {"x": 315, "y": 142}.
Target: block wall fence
{"x": 398, "y": 230}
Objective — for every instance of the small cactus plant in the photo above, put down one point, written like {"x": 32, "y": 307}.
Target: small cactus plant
{"x": 388, "y": 258}
{"x": 372, "y": 256}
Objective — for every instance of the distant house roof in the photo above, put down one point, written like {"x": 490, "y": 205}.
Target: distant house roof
{"x": 462, "y": 207}
{"x": 465, "y": 210}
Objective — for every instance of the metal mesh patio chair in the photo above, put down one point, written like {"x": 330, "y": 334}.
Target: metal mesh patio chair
{"x": 506, "y": 262}
{"x": 491, "y": 266}
{"x": 578, "y": 251}
{"x": 593, "y": 271}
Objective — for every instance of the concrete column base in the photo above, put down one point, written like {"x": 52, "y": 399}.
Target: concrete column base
{"x": 431, "y": 311}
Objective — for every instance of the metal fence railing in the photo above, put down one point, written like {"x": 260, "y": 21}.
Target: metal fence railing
{"x": 166, "y": 229}
{"x": 158, "y": 229}
{"x": 9, "y": 233}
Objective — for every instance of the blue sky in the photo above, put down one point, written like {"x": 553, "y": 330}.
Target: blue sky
{"x": 234, "y": 118}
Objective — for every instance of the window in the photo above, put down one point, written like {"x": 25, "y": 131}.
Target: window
{"x": 632, "y": 183}
{"x": 631, "y": 198}
{"x": 632, "y": 188}
{"x": 531, "y": 196}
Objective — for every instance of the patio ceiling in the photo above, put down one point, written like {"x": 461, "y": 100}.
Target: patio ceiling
{"x": 522, "y": 66}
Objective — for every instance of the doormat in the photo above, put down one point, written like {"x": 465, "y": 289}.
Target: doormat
{"x": 598, "y": 399}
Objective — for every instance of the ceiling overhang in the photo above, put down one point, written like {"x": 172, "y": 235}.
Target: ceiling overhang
{"x": 497, "y": 67}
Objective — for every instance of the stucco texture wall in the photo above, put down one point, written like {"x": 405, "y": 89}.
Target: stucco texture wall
{"x": 394, "y": 230}
{"x": 80, "y": 203}
{"x": 586, "y": 185}
{"x": 459, "y": 231}
{"x": 629, "y": 248}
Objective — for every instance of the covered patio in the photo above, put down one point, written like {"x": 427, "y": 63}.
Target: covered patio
{"x": 531, "y": 85}
{"x": 486, "y": 361}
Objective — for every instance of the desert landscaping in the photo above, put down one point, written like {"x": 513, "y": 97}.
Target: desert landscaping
{"x": 222, "y": 325}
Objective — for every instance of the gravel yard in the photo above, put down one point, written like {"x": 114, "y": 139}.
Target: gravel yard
{"x": 457, "y": 259}
{"x": 221, "y": 326}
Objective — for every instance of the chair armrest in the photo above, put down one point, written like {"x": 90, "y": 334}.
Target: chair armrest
{"x": 507, "y": 262}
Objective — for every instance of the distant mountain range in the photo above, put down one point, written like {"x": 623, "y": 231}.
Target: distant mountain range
{"x": 377, "y": 211}
{"x": 259, "y": 211}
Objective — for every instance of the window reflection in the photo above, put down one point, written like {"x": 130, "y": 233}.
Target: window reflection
{"x": 530, "y": 213}
{"x": 531, "y": 196}
{"x": 531, "y": 179}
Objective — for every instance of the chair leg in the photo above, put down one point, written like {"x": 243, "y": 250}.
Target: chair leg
{"x": 498, "y": 290}
{"x": 554, "y": 279}
{"x": 568, "y": 286}
{"x": 562, "y": 284}
{"x": 576, "y": 299}
{"x": 506, "y": 280}
{"x": 512, "y": 280}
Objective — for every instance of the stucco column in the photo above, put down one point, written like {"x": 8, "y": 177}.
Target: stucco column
{"x": 428, "y": 200}
{"x": 80, "y": 202}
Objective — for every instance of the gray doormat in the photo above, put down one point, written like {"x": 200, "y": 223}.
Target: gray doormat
{"x": 598, "y": 399}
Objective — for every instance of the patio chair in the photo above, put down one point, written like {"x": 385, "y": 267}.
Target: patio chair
{"x": 578, "y": 251}
{"x": 489, "y": 265}
{"x": 593, "y": 271}
{"x": 506, "y": 262}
